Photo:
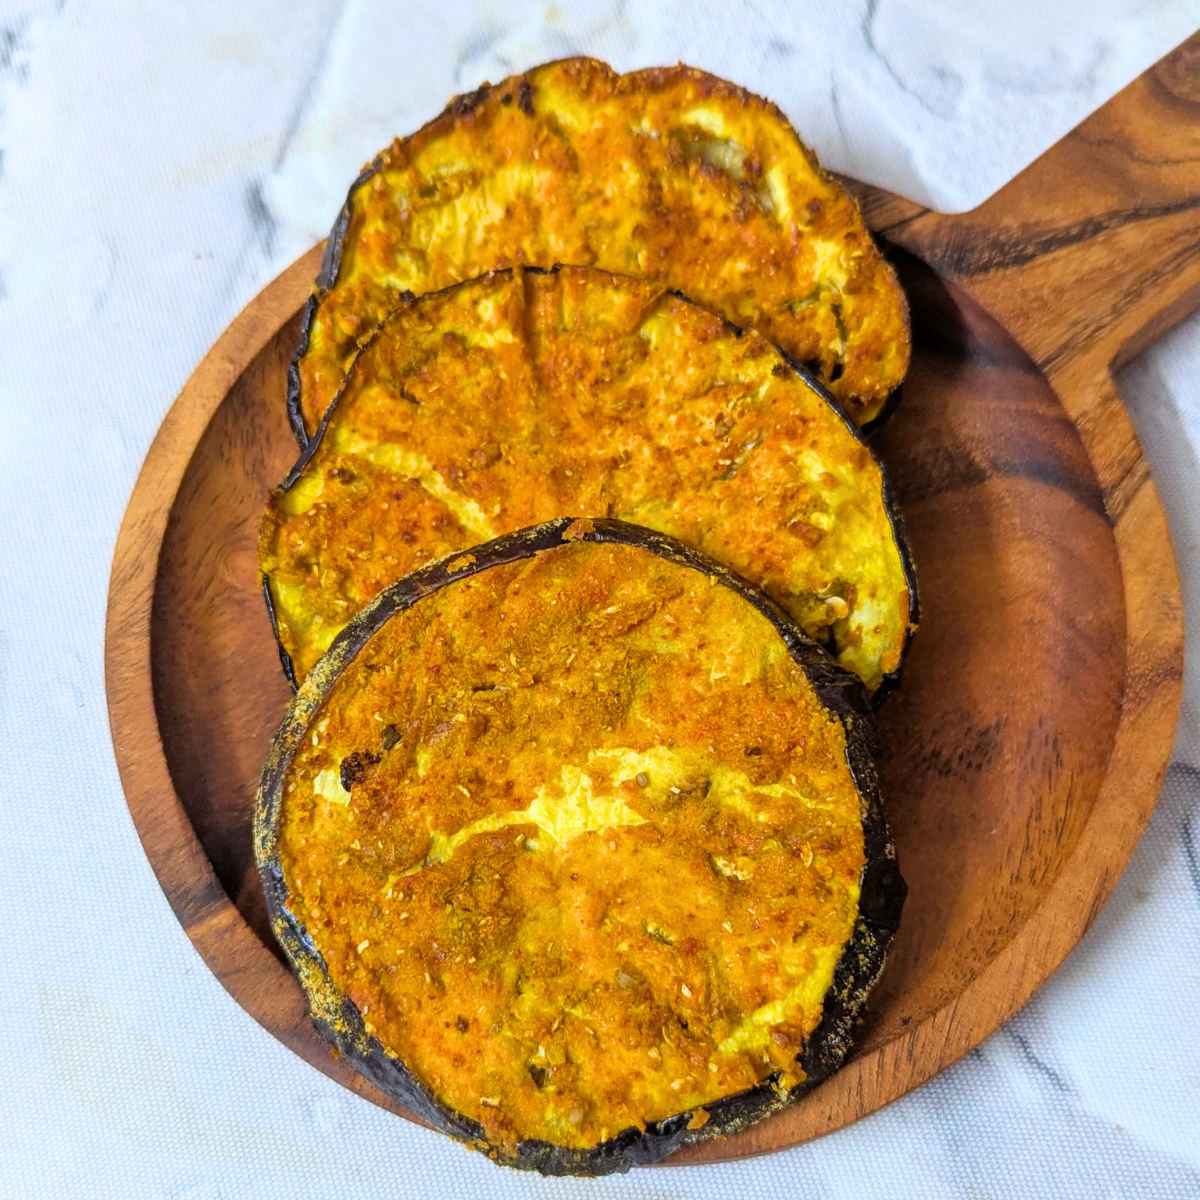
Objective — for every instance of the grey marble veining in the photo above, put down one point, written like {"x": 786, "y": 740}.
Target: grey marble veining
{"x": 159, "y": 164}
{"x": 942, "y": 102}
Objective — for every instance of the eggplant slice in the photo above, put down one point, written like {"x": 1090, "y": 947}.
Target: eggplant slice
{"x": 668, "y": 173}
{"x": 575, "y": 844}
{"x": 515, "y": 398}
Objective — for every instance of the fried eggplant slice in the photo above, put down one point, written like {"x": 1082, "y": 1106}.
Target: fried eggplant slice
{"x": 575, "y": 844}
{"x": 515, "y": 398}
{"x": 669, "y": 173}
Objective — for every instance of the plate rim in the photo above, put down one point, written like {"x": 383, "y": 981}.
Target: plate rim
{"x": 1138, "y": 758}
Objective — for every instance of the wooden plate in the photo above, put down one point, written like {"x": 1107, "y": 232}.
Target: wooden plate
{"x": 1025, "y": 749}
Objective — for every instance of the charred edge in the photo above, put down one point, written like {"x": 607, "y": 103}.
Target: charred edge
{"x": 837, "y": 688}
{"x": 882, "y": 888}
{"x": 310, "y": 444}
{"x": 637, "y": 1147}
{"x": 468, "y": 102}
{"x": 857, "y": 432}
{"x": 295, "y": 414}
{"x": 459, "y": 106}
{"x": 301, "y": 951}
{"x": 331, "y": 262}
{"x": 887, "y": 407}
{"x": 331, "y": 265}
{"x": 285, "y": 658}
{"x": 890, "y": 681}
{"x": 864, "y": 956}
{"x": 886, "y": 411}
{"x": 350, "y": 1035}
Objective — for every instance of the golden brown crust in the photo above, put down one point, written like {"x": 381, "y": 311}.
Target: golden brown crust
{"x": 667, "y": 172}
{"x": 581, "y": 843}
{"x": 521, "y": 396}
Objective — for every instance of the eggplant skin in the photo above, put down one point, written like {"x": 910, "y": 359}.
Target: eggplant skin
{"x": 556, "y": 344}
{"x": 668, "y": 172}
{"x": 285, "y": 659}
{"x": 882, "y": 888}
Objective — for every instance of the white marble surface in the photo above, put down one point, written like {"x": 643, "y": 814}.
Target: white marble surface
{"x": 941, "y": 101}
{"x": 160, "y": 162}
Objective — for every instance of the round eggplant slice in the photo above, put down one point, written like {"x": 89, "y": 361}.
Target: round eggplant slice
{"x": 669, "y": 173}
{"x": 523, "y": 395}
{"x": 574, "y": 842}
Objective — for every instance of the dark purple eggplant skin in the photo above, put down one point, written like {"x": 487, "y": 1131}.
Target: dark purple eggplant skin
{"x": 285, "y": 659}
{"x": 882, "y": 887}
{"x": 309, "y": 443}
{"x": 331, "y": 265}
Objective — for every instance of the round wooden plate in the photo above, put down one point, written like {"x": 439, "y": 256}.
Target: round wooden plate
{"x": 1023, "y": 753}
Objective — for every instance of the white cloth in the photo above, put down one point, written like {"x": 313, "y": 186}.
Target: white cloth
{"x": 160, "y": 163}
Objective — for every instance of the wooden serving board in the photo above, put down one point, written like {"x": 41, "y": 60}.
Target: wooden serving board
{"x": 1024, "y": 752}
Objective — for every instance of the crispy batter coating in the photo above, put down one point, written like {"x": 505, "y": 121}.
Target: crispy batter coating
{"x": 669, "y": 173}
{"x": 580, "y": 841}
{"x": 525, "y": 396}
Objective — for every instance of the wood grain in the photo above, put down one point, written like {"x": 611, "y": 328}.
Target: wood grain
{"x": 1024, "y": 752}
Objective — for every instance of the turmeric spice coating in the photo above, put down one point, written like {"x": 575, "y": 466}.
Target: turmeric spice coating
{"x": 669, "y": 173}
{"x": 580, "y": 841}
{"x": 525, "y": 395}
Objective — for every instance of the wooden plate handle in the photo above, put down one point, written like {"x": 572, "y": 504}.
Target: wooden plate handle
{"x": 1094, "y": 249}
